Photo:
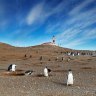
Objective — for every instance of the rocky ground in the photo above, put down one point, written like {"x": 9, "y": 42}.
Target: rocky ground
{"x": 17, "y": 84}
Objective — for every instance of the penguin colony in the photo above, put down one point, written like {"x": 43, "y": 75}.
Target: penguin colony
{"x": 12, "y": 68}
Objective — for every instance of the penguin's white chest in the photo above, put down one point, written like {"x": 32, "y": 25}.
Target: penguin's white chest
{"x": 13, "y": 68}
{"x": 70, "y": 79}
{"x": 45, "y": 72}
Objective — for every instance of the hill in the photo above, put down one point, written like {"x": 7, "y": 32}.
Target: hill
{"x": 8, "y": 50}
{"x": 36, "y": 58}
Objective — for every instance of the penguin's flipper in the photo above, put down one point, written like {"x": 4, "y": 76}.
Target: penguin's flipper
{"x": 49, "y": 70}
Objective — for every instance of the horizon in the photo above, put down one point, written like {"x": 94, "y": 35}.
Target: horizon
{"x": 26, "y": 23}
{"x": 45, "y": 45}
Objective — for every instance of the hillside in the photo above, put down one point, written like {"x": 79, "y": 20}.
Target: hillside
{"x": 36, "y": 58}
{"x": 6, "y": 48}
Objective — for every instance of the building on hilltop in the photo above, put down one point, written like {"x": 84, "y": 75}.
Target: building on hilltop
{"x": 51, "y": 43}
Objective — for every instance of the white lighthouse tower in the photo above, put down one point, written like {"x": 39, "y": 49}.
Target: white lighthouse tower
{"x": 53, "y": 40}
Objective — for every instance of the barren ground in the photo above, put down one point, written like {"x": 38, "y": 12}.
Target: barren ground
{"x": 17, "y": 84}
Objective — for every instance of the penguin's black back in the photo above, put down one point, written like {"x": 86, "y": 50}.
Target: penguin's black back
{"x": 10, "y": 67}
{"x": 29, "y": 72}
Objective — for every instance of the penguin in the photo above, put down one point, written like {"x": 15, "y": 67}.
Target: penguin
{"x": 46, "y": 71}
{"x": 28, "y": 72}
{"x": 12, "y": 67}
{"x": 73, "y": 54}
{"x": 70, "y": 78}
{"x": 78, "y": 53}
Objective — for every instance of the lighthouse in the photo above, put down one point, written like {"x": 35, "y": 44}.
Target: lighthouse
{"x": 53, "y": 39}
{"x": 53, "y": 42}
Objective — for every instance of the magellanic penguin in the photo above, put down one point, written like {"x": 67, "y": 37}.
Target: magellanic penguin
{"x": 12, "y": 67}
{"x": 28, "y": 72}
{"x": 46, "y": 71}
{"x": 70, "y": 78}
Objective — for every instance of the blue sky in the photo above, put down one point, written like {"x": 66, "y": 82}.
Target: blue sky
{"x": 33, "y": 22}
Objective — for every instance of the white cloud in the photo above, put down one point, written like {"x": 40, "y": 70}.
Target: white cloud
{"x": 83, "y": 16}
{"x": 91, "y": 34}
{"x": 78, "y": 8}
{"x": 86, "y": 36}
{"x": 79, "y": 27}
{"x": 75, "y": 23}
{"x": 59, "y": 8}
{"x": 35, "y": 14}
{"x": 75, "y": 43}
{"x": 68, "y": 34}
{"x": 39, "y": 14}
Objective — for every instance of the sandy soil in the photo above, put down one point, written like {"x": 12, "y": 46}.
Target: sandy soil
{"x": 17, "y": 84}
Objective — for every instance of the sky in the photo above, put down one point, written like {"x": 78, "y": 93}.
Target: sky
{"x": 33, "y": 22}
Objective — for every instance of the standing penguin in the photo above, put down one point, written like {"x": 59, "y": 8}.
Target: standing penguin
{"x": 46, "y": 71}
{"x": 70, "y": 78}
{"x": 12, "y": 67}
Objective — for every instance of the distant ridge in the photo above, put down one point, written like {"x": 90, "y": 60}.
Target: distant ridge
{"x": 5, "y": 45}
{"x": 42, "y": 46}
